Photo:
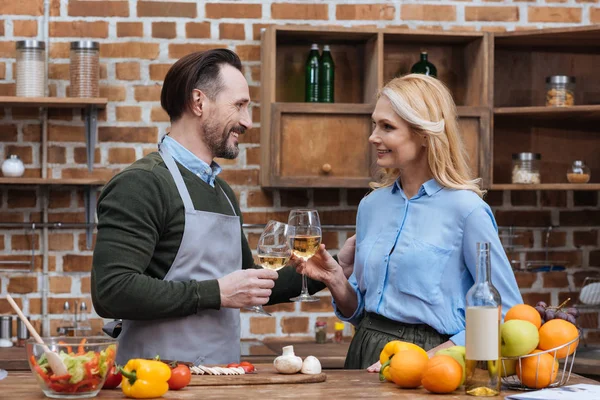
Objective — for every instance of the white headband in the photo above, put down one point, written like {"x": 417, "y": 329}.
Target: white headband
{"x": 406, "y": 112}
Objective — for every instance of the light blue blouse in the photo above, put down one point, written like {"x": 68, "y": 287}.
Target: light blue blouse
{"x": 415, "y": 258}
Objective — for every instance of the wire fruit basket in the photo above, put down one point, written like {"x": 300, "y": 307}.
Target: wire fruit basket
{"x": 542, "y": 369}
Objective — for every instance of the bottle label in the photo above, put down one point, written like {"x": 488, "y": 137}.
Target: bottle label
{"x": 482, "y": 333}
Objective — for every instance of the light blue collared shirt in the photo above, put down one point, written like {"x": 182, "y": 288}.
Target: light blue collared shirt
{"x": 416, "y": 258}
{"x": 183, "y": 156}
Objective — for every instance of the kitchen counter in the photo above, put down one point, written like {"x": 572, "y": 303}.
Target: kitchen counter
{"x": 332, "y": 355}
{"x": 346, "y": 384}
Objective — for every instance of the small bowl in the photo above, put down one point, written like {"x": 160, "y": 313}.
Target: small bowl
{"x": 88, "y": 360}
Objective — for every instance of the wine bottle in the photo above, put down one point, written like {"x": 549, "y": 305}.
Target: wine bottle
{"x": 311, "y": 75}
{"x": 424, "y": 67}
{"x": 326, "y": 76}
{"x": 482, "y": 343}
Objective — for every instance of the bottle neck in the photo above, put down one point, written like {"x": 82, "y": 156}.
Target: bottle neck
{"x": 484, "y": 266}
{"x": 423, "y": 56}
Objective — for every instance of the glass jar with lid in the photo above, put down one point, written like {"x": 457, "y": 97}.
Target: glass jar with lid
{"x": 560, "y": 91}
{"x": 30, "y": 68}
{"x": 321, "y": 332}
{"x": 84, "y": 69}
{"x": 579, "y": 172}
{"x": 526, "y": 168}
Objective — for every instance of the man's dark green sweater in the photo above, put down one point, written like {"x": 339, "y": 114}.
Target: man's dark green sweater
{"x": 140, "y": 226}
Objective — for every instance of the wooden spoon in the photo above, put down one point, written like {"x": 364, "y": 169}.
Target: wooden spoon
{"x": 56, "y": 363}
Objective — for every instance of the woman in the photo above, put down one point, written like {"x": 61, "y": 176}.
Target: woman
{"x": 416, "y": 233}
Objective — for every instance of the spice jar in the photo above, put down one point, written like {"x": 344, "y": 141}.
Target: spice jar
{"x": 6, "y": 331}
{"x": 22, "y": 332}
{"x": 84, "y": 69}
{"x": 578, "y": 173}
{"x": 526, "y": 168}
{"x": 560, "y": 91}
{"x": 338, "y": 337}
{"x": 31, "y": 68}
{"x": 321, "y": 332}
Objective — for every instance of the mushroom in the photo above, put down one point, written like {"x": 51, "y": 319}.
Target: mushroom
{"x": 311, "y": 366}
{"x": 288, "y": 362}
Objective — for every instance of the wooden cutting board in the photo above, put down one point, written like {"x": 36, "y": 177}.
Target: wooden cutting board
{"x": 265, "y": 375}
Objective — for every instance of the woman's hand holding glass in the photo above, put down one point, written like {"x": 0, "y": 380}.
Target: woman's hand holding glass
{"x": 274, "y": 250}
{"x": 320, "y": 267}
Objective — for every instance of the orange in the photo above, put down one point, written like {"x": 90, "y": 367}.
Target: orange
{"x": 544, "y": 365}
{"x": 558, "y": 332}
{"x": 524, "y": 312}
{"x": 407, "y": 367}
{"x": 442, "y": 375}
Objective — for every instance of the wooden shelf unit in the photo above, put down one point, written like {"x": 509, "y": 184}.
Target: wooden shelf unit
{"x": 521, "y": 120}
{"x": 331, "y": 140}
{"x": 497, "y": 81}
{"x": 90, "y": 107}
{"x": 52, "y": 102}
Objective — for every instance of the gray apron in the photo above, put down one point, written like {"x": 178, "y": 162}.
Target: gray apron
{"x": 210, "y": 249}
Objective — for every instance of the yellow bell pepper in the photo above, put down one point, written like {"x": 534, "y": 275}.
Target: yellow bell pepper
{"x": 145, "y": 379}
{"x": 388, "y": 352}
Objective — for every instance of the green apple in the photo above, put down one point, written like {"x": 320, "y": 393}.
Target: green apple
{"x": 507, "y": 367}
{"x": 518, "y": 338}
{"x": 458, "y": 353}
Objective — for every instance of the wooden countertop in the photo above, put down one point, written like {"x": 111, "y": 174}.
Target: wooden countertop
{"x": 332, "y": 355}
{"x": 347, "y": 384}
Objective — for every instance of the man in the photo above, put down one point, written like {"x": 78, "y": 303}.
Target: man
{"x": 171, "y": 258}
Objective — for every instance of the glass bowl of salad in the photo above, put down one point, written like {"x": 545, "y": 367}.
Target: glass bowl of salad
{"x": 88, "y": 360}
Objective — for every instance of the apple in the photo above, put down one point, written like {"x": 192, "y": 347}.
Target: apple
{"x": 508, "y": 367}
{"x": 458, "y": 353}
{"x": 518, "y": 338}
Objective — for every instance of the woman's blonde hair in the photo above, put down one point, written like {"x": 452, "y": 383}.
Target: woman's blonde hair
{"x": 427, "y": 107}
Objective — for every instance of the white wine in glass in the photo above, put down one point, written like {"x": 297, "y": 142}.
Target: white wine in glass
{"x": 305, "y": 243}
{"x": 274, "y": 250}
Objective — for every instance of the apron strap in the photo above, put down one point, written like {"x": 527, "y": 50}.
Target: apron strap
{"x": 230, "y": 203}
{"x": 183, "y": 192}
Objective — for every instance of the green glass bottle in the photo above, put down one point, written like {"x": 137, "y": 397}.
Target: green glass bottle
{"x": 326, "y": 76}
{"x": 424, "y": 67}
{"x": 311, "y": 75}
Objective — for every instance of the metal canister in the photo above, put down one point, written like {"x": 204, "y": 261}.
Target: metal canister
{"x": 22, "y": 332}
{"x": 6, "y": 327}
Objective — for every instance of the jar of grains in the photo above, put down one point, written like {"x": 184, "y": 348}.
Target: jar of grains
{"x": 526, "y": 168}
{"x": 31, "y": 68}
{"x": 578, "y": 173}
{"x": 560, "y": 91}
{"x": 84, "y": 69}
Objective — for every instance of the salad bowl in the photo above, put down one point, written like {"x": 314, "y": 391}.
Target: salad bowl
{"x": 87, "y": 359}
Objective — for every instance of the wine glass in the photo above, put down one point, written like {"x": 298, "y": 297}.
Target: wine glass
{"x": 274, "y": 250}
{"x": 306, "y": 241}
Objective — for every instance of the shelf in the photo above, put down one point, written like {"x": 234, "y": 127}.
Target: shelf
{"x": 547, "y": 186}
{"x": 324, "y": 108}
{"x": 52, "y": 182}
{"x": 584, "y": 112}
{"x": 571, "y": 38}
{"x": 52, "y": 102}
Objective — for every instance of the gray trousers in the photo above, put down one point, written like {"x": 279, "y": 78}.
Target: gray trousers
{"x": 375, "y": 331}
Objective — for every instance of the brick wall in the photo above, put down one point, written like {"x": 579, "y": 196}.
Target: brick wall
{"x": 141, "y": 39}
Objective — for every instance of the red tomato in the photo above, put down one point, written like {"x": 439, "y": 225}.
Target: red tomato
{"x": 248, "y": 367}
{"x": 113, "y": 378}
{"x": 180, "y": 377}
{"x": 233, "y": 365}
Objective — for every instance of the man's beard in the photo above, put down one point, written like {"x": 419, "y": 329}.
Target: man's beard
{"x": 217, "y": 141}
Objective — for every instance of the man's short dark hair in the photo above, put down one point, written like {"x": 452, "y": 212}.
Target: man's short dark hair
{"x": 200, "y": 70}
